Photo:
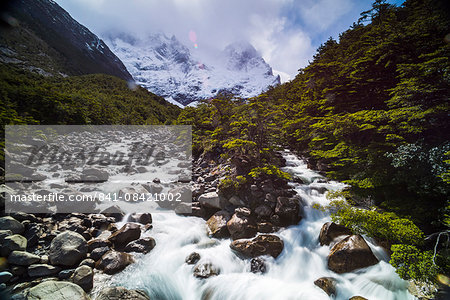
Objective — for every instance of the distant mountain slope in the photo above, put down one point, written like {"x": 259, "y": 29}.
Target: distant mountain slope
{"x": 30, "y": 98}
{"x": 167, "y": 68}
{"x": 44, "y": 38}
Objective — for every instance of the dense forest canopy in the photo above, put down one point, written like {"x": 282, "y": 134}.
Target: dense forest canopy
{"x": 88, "y": 99}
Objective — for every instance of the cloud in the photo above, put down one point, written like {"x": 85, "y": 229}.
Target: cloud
{"x": 283, "y": 31}
{"x": 285, "y": 50}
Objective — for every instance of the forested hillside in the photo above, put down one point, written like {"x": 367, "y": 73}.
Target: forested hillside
{"x": 371, "y": 109}
{"x": 88, "y": 99}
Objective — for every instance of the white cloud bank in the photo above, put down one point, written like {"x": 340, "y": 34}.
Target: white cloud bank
{"x": 283, "y": 31}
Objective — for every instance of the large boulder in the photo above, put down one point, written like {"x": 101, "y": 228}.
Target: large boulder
{"x": 57, "y": 290}
{"x": 23, "y": 258}
{"x": 84, "y": 277}
{"x": 265, "y": 244}
{"x": 9, "y": 223}
{"x": 143, "y": 245}
{"x": 330, "y": 231}
{"x": 12, "y": 243}
{"x": 121, "y": 293}
{"x": 68, "y": 249}
{"x": 113, "y": 262}
{"x": 288, "y": 209}
{"x": 242, "y": 225}
{"x": 212, "y": 200}
{"x": 115, "y": 212}
{"x": 327, "y": 284}
{"x": 217, "y": 224}
{"x": 128, "y": 233}
{"x": 350, "y": 254}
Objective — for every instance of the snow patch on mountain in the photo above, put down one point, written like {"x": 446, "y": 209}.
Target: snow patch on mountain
{"x": 167, "y": 68}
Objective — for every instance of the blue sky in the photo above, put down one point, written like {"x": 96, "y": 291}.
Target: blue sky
{"x": 285, "y": 32}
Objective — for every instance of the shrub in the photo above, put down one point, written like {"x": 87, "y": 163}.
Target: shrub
{"x": 384, "y": 225}
{"x": 412, "y": 263}
{"x": 270, "y": 171}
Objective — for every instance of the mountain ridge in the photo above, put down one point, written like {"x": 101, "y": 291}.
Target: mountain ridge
{"x": 168, "y": 68}
{"x": 43, "y": 37}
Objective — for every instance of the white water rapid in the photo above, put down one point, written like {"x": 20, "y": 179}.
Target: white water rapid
{"x": 164, "y": 274}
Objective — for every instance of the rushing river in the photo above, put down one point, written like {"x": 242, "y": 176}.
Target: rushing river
{"x": 164, "y": 274}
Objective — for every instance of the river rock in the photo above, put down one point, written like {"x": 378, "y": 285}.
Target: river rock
{"x": 142, "y": 218}
{"x": 9, "y": 223}
{"x": 84, "y": 277}
{"x": 211, "y": 199}
{"x": 97, "y": 243}
{"x": 88, "y": 262}
{"x": 65, "y": 274}
{"x": 205, "y": 270}
{"x": 263, "y": 211}
{"x": 258, "y": 265}
{"x": 330, "y": 231}
{"x": 42, "y": 270}
{"x": 328, "y": 284}
{"x": 121, "y": 293}
{"x": 115, "y": 212}
{"x": 288, "y": 209}
{"x": 67, "y": 249}
{"x": 350, "y": 254}
{"x": 265, "y": 227}
{"x": 265, "y": 244}
{"x": 5, "y": 276}
{"x": 217, "y": 224}
{"x": 128, "y": 233}
{"x": 113, "y": 262}
{"x": 32, "y": 234}
{"x": 242, "y": 225}
{"x": 92, "y": 174}
{"x": 23, "y": 258}
{"x": 235, "y": 200}
{"x": 192, "y": 258}
{"x": 57, "y": 290}
{"x": 4, "y": 233}
{"x": 142, "y": 245}
{"x": 97, "y": 253}
{"x": 12, "y": 243}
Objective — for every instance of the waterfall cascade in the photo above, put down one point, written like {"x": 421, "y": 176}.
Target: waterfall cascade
{"x": 164, "y": 274}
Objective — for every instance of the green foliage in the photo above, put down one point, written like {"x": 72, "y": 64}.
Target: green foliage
{"x": 370, "y": 110}
{"x": 240, "y": 146}
{"x": 366, "y": 99}
{"x": 231, "y": 185}
{"x": 383, "y": 225}
{"x": 90, "y": 99}
{"x": 412, "y": 263}
{"x": 270, "y": 171}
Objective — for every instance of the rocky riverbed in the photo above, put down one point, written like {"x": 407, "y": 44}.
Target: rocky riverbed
{"x": 114, "y": 255}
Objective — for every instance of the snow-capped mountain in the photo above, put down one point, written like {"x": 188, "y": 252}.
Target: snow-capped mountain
{"x": 167, "y": 68}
